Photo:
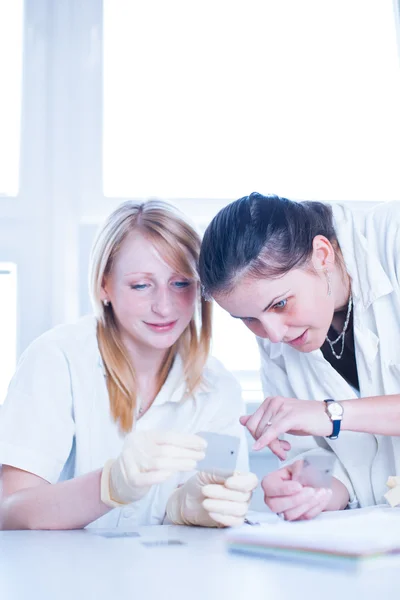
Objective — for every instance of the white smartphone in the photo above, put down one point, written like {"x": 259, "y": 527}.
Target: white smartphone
{"x": 221, "y": 453}
{"x": 317, "y": 470}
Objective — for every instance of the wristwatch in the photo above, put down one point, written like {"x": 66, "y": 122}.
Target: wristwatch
{"x": 335, "y": 413}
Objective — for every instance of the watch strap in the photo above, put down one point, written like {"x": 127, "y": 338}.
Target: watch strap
{"x": 335, "y": 429}
{"x": 335, "y": 423}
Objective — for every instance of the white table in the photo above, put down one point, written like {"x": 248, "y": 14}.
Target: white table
{"x": 45, "y": 565}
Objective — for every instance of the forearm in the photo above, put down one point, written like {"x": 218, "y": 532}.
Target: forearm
{"x": 378, "y": 415}
{"x": 71, "y": 504}
{"x": 340, "y": 496}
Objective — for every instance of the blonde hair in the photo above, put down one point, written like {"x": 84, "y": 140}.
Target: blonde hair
{"x": 172, "y": 236}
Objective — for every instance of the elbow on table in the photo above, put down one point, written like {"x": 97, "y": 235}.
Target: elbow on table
{"x": 13, "y": 518}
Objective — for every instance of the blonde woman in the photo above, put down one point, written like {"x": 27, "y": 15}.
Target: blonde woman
{"x": 99, "y": 425}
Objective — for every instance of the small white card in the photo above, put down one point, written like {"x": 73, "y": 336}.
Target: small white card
{"x": 317, "y": 470}
{"x": 221, "y": 453}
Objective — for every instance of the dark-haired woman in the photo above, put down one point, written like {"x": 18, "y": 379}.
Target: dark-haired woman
{"x": 319, "y": 287}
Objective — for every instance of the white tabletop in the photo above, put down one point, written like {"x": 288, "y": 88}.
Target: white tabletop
{"x": 169, "y": 562}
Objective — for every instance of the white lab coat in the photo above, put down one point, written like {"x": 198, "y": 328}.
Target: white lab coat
{"x": 56, "y": 420}
{"x": 370, "y": 243}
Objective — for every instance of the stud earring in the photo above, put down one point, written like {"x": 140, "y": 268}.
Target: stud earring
{"x": 329, "y": 280}
{"x": 106, "y": 302}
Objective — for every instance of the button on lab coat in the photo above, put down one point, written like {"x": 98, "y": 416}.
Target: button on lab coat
{"x": 56, "y": 420}
{"x": 370, "y": 243}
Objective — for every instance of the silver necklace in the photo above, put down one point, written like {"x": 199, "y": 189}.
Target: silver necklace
{"x": 341, "y": 335}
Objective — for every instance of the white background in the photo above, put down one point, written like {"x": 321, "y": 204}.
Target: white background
{"x": 196, "y": 103}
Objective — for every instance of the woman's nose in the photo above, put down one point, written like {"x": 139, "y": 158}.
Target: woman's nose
{"x": 162, "y": 303}
{"x": 274, "y": 328}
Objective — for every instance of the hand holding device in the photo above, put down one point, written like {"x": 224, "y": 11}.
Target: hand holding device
{"x": 291, "y": 492}
{"x": 148, "y": 458}
{"x": 217, "y": 496}
{"x": 210, "y": 500}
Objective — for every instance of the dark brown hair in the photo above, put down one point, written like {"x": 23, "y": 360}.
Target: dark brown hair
{"x": 261, "y": 236}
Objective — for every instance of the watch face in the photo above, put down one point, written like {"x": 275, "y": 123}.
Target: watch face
{"x": 335, "y": 409}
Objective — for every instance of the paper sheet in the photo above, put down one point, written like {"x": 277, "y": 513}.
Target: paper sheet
{"x": 357, "y": 532}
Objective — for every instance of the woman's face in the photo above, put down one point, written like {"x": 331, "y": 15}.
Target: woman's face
{"x": 152, "y": 303}
{"x": 294, "y": 309}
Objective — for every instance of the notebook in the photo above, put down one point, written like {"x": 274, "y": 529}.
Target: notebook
{"x": 345, "y": 539}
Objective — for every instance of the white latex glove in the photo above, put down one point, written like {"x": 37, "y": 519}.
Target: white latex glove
{"x": 212, "y": 500}
{"x": 148, "y": 458}
{"x": 393, "y": 495}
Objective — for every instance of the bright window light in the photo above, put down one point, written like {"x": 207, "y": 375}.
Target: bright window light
{"x": 11, "y": 49}
{"x": 219, "y": 98}
{"x": 236, "y": 347}
{"x": 230, "y": 336}
{"x": 8, "y": 325}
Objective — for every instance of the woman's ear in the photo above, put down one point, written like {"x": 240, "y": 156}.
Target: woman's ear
{"x": 323, "y": 255}
{"x": 104, "y": 295}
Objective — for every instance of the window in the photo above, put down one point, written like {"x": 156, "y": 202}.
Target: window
{"x": 219, "y": 98}
{"x": 229, "y": 333}
{"x": 8, "y": 324}
{"x": 198, "y": 103}
{"x": 236, "y": 347}
{"x": 11, "y": 48}
{"x": 206, "y": 102}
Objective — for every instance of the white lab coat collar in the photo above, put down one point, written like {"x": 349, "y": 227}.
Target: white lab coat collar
{"x": 369, "y": 280}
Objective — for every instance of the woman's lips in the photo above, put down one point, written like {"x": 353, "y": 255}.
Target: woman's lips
{"x": 161, "y": 327}
{"x": 299, "y": 341}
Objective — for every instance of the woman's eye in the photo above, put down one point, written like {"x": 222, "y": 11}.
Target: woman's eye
{"x": 182, "y": 284}
{"x": 139, "y": 286}
{"x": 281, "y": 304}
